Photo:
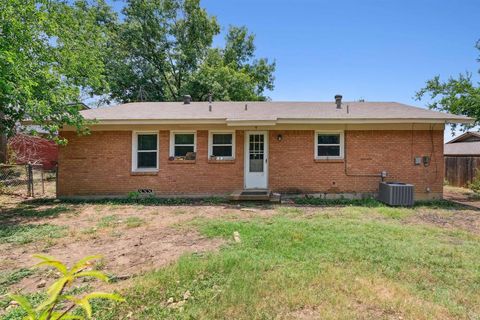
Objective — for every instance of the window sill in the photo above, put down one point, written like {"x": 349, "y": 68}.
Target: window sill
{"x": 329, "y": 160}
{"x": 144, "y": 173}
{"x": 225, "y": 161}
{"x": 180, "y": 161}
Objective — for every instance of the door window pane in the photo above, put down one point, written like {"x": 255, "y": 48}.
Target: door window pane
{"x": 256, "y": 153}
{"x": 256, "y": 165}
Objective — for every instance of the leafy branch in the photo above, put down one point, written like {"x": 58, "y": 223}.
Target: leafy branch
{"x": 459, "y": 95}
{"x": 58, "y": 305}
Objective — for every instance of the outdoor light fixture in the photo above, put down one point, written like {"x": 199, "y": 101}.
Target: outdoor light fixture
{"x": 279, "y": 137}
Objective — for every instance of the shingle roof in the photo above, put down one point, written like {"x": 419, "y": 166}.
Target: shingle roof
{"x": 239, "y": 112}
{"x": 462, "y": 148}
{"x": 474, "y": 136}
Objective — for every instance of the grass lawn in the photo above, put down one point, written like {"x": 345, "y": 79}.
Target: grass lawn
{"x": 335, "y": 262}
{"x": 354, "y": 263}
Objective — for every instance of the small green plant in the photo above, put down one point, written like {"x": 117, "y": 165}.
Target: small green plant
{"x": 108, "y": 221}
{"x": 90, "y": 230}
{"x": 9, "y": 278}
{"x": 475, "y": 184}
{"x": 133, "y": 195}
{"x": 100, "y": 264}
{"x": 58, "y": 305}
{"x": 134, "y": 222}
{"x": 214, "y": 200}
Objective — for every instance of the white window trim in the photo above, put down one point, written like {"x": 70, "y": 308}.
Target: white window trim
{"x": 210, "y": 143}
{"x": 135, "y": 151}
{"x": 172, "y": 140}
{"x": 342, "y": 144}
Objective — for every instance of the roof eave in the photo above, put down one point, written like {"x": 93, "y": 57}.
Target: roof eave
{"x": 158, "y": 121}
{"x": 366, "y": 121}
{"x": 269, "y": 122}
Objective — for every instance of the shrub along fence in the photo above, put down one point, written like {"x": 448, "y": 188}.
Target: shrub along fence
{"x": 27, "y": 180}
{"x": 460, "y": 171}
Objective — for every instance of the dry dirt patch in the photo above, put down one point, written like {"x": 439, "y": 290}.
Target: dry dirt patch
{"x": 467, "y": 220}
{"x": 132, "y": 238}
{"x": 462, "y": 196}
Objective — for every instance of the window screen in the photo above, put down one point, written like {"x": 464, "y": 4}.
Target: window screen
{"x": 183, "y": 143}
{"x": 329, "y": 145}
{"x": 147, "y": 151}
{"x": 222, "y": 145}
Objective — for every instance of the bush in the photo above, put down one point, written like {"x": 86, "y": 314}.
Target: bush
{"x": 475, "y": 184}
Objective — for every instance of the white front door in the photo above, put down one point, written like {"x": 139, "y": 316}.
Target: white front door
{"x": 256, "y": 160}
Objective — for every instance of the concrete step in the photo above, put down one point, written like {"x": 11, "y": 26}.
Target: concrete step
{"x": 253, "y": 195}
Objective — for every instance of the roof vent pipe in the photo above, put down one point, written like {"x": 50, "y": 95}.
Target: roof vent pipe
{"x": 187, "y": 99}
{"x": 338, "y": 101}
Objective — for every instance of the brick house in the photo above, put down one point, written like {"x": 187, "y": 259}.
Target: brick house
{"x": 216, "y": 148}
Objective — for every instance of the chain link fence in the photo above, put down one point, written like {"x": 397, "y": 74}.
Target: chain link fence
{"x": 27, "y": 181}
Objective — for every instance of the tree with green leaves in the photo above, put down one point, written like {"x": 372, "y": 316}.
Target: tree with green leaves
{"x": 55, "y": 54}
{"x": 233, "y": 73}
{"x": 163, "y": 50}
{"x": 50, "y": 56}
{"x": 455, "y": 95}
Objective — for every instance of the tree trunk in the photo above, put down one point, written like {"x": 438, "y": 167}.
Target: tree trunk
{"x": 3, "y": 141}
{"x": 3, "y": 148}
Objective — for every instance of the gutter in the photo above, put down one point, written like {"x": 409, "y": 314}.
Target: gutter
{"x": 253, "y": 122}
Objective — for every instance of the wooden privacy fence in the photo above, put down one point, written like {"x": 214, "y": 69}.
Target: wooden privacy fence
{"x": 460, "y": 171}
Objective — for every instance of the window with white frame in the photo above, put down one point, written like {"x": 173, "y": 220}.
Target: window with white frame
{"x": 221, "y": 145}
{"x": 145, "y": 151}
{"x": 329, "y": 145}
{"x": 183, "y": 144}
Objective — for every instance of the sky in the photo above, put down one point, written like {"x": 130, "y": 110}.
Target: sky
{"x": 377, "y": 50}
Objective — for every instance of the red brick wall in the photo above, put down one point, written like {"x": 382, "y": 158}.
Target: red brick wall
{"x": 293, "y": 169}
{"x": 101, "y": 164}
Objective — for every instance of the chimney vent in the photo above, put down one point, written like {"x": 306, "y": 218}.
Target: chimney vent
{"x": 187, "y": 99}
{"x": 338, "y": 101}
